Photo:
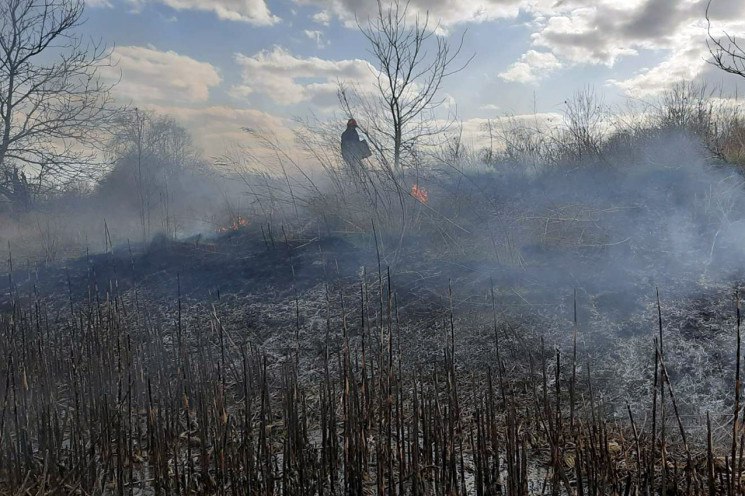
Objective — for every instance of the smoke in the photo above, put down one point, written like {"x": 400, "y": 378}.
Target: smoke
{"x": 647, "y": 213}
{"x": 120, "y": 212}
{"x": 658, "y": 214}
{"x": 673, "y": 215}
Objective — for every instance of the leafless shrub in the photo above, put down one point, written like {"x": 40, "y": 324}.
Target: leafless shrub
{"x": 585, "y": 128}
{"x": 704, "y": 113}
{"x": 516, "y": 143}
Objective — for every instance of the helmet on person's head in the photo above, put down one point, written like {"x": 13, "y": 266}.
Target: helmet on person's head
{"x": 351, "y": 122}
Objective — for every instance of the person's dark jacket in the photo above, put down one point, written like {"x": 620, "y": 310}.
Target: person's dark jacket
{"x": 350, "y": 144}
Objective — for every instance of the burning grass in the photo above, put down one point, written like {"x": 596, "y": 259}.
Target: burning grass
{"x": 420, "y": 193}
{"x": 234, "y": 225}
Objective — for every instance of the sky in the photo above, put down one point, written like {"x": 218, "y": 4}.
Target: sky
{"x": 218, "y": 66}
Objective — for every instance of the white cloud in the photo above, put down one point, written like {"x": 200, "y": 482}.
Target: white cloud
{"x": 150, "y": 75}
{"x": 476, "y": 135}
{"x": 287, "y": 79}
{"x": 213, "y": 127}
{"x": 250, "y": 11}
{"x": 98, "y": 3}
{"x": 317, "y": 36}
{"x": 531, "y": 67}
{"x": 580, "y": 32}
{"x": 577, "y": 32}
{"x": 447, "y": 12}
{"x": 601, "y": 32}
{"x": 322, "y": 17}
{"x": 136, "y": 5}
{"x": 491, "y": 107}
{"x": 686, "y": 61}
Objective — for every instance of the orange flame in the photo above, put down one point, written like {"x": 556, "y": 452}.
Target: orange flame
{"x": 419, "y": 193}
{"x": 234, "y": 225}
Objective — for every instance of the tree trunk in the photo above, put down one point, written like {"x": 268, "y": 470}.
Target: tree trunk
{"x": 397, "y": 150}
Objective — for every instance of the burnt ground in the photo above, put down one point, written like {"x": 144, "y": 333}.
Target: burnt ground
{"x": 232, "y": 263}
{"x": 284, "y": 295}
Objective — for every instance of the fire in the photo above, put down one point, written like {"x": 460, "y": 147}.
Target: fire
{"x": 419, "y": 193}
{"x": 234, "y": 225}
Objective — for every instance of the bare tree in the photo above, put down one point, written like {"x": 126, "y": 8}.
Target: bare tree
{"x": 53, "y": 104}
{"x": 149, "y": 153}
{"x": 412, "y": 63}
{"x": 727, "y": 51}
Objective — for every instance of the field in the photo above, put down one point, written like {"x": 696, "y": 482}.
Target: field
{"x": 272, "y": 364}
{"x": 310, "y": 247}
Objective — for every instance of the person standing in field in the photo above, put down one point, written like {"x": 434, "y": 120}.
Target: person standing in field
{"x": 353, "y": 149}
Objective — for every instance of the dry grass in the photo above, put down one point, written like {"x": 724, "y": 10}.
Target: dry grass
{"x": 101, "y": 398}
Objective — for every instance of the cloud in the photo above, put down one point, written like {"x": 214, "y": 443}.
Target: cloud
{"x": 316, "y": 36}
{"x": 250, "y": 11}
{"x": 322, "y": 17}
{"x": 149, "y": 75}
{"x": 601, "y": 33}
{"x": 531, "y": 67}
{"x": 475, "y": 132}
{"x": 287, "y": 79}
{"x": 687, "y": 54}
{"x": 214, "y": 127}
{"x": 447, "y": 12}
{"x": 579, "y": 32}
{"x": 686, "y": 61}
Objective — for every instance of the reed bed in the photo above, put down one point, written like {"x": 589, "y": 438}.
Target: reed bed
{"x": 98, "y": 397}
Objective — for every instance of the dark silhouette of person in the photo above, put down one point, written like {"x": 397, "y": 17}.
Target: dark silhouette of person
{"x": 353, "y": 150}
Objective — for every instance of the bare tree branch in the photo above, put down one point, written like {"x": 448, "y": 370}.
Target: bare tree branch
{"x": 52, "y": 110}
{"x": 727, "y": 53}
{"x": 412, "y": 63}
